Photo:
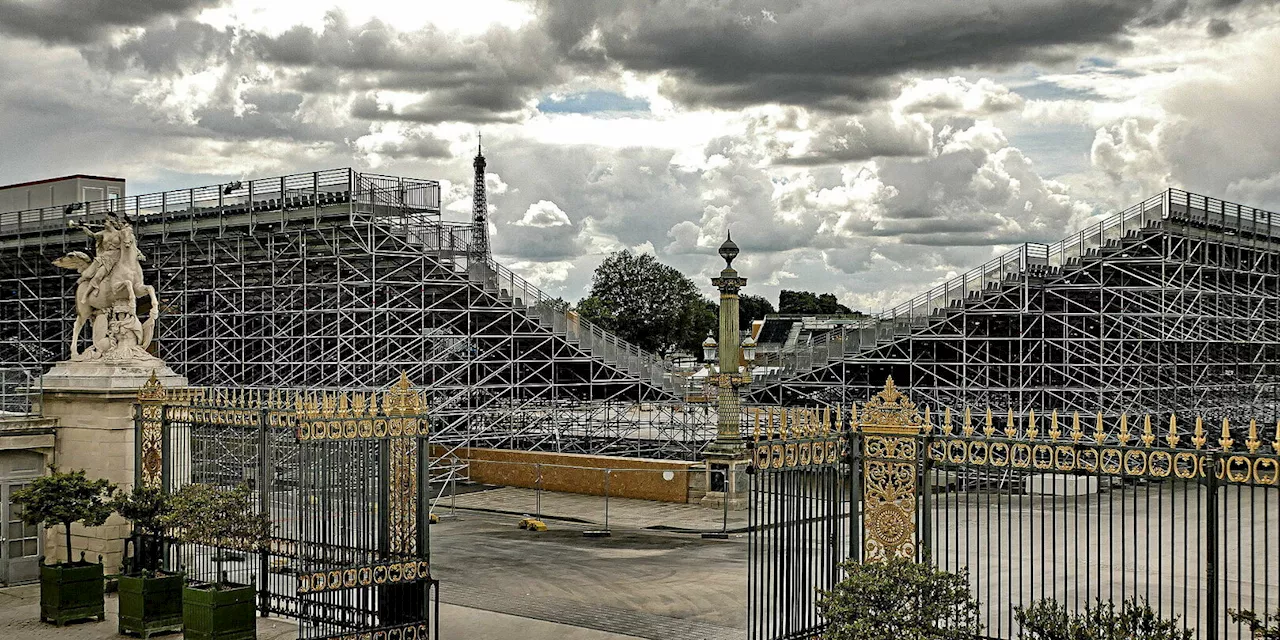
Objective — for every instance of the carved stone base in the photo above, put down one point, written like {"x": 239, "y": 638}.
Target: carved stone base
{"x": 109, "y": 376}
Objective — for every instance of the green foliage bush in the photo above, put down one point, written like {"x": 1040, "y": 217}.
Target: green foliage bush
{"x": 899, "y": 599}
{"x": 1261, "y": 627}
{"x": 1134, "y": 620}
{"x": 146, "y": 508}
{"x": 218, "y": 517}
{"x": 65, "y": 498}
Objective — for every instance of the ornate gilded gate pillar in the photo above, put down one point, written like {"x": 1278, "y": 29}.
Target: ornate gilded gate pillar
{"x": 890, "y": 426}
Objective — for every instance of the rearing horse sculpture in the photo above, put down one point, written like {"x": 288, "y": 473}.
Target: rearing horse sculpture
{"x": 107, "y": 292}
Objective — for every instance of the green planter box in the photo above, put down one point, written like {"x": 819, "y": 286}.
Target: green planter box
{"x": 70, "y": 592}
{"x": 150, "y": 605}
{"x": 228, "y": 613}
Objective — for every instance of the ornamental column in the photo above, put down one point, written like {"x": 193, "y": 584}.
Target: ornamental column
{"x": 726, "y": 456}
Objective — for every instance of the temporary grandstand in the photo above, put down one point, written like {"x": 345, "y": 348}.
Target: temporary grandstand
{"x": 1170, "y": 306}
{"x": 344, "y": 279}
{"x": 341, "y": 278}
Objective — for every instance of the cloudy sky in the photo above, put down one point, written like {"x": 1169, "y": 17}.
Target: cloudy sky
{"x": 867, "y": 148}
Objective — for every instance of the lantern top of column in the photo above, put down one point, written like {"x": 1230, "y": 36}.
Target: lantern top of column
{"x": 729, "y": 251}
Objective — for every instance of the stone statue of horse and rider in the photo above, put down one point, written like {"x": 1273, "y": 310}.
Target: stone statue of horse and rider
{"x": 106, "y": 294}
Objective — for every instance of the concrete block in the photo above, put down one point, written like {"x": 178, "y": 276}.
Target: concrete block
{"x": 1059, "y": 484}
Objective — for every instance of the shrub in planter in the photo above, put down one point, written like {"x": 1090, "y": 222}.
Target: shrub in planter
{"x": 1134, "y": 620}
{"x": 1264, "y": 627}
{"x": 223, "y": 519}
{"x": 70, "y": 590}
{"x": 899, "y": 599}
{"x": 150, "y": 600}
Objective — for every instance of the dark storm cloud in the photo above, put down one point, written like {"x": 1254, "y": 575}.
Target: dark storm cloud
{"x": 165, "y": 48}
{"x": 476, "y": 79}
{"x": 85, "y": 21}
{"x": 1219, "y": 28}
{"x": 829, "y": 54}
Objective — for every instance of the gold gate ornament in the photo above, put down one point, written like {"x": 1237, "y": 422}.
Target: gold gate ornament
{"x": 889, "y": 423}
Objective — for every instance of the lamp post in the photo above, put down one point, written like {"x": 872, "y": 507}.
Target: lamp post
{"x": 727, "y": 454}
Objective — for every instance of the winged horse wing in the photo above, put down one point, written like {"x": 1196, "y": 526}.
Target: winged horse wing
{"x": 77, "y": 260}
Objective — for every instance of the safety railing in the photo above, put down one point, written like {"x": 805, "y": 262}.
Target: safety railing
{"x": 17, "y": 386}
{"x": 279, "y": 192}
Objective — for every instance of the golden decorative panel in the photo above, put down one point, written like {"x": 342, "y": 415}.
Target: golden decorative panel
{"x": 375, "y": 574}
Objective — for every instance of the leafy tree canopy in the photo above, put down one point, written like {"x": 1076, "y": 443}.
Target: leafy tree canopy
{"x": 808, "y": 303}
{"x": 753, "y": 308}
{"x": 220, "y": 517}
{"x": 145, "y": 507}
{"x": 647, "y": 303}
{"x": 899, "y": 599}
{"x": 63, "y": 498}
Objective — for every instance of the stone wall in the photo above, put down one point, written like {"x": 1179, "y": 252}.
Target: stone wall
{"x": 645, "y": 479}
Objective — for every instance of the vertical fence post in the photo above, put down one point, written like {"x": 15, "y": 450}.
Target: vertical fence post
{"x": 264, "y": 508}
{"x": 926, "y": 501}
{"x": 1211, "y": 545}
{"x": 537, "y": 491}
{"x": 606, "y": 499}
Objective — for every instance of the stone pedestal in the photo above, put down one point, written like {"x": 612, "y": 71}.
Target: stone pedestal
{"x": 726, "y": 481}
{"x": 94, "y": 406}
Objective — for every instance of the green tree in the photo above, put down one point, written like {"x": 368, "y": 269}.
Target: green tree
{"x": 65, "y": 498}
{"x": 218, "y": 517}
{"x": 809, "y": 303}
{"x": 1134, "y": 620}
{"x": 753, "y": 308}
{"x": 648, "y": 303}
{"x": 899, "y": 599}
{"x": 147, "y": 508}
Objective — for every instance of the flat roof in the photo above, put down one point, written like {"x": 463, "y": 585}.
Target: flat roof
{"x": 71, "y": 177}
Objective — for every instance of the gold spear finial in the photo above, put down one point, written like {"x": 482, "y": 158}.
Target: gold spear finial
{"x": 1031, "y": 432}
{"x": 1226, "y": 440}
{"x": 1147, "y": 436}
{"x": 1275, "y": 446}
{"x": 1253, "y": 443}
{"x": 1076, "y": 433}
{"x": 757, "y": 426}
{"x": 1199, "y": 438}
{"x": 967, "y": 427}
{"x": 1054, "y": 431}
{"x": 1099, "y": 434}
{"x": 1010, "y": 429}
{"x": 990, "y": 429}
{"x": 1173, "y": 431}
{"x": 927, "y": 427}
{"x": 1123, "y": 436}
{"x": 946, "y": 420}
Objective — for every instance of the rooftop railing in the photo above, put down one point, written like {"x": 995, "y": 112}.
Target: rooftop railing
{"x": 180, "y": 203}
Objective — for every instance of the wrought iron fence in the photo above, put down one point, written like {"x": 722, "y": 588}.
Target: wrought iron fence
{"x": 343, "y": 477}
{"x": 1033, "y": 508}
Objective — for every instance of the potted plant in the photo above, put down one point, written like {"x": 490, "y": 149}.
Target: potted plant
{"x": 222, "y": 519}
{"x": 70, "y": 590}
{"x": 150, "y": 600}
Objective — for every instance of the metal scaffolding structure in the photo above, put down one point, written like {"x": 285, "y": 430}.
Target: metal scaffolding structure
{"x": 341, "y": 279}
{"x": 1171, "y": 306}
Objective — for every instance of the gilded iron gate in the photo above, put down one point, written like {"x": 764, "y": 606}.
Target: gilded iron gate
{"x": 343, "y": 477}
{"x": 1069, "y": 508}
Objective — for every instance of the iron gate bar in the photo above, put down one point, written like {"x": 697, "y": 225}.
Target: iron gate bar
{"x": 319, "y": 461}
{"x": 1067, "y": 540}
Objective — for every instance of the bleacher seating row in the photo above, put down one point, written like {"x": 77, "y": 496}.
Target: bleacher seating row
{"x": 287, "y": 203}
